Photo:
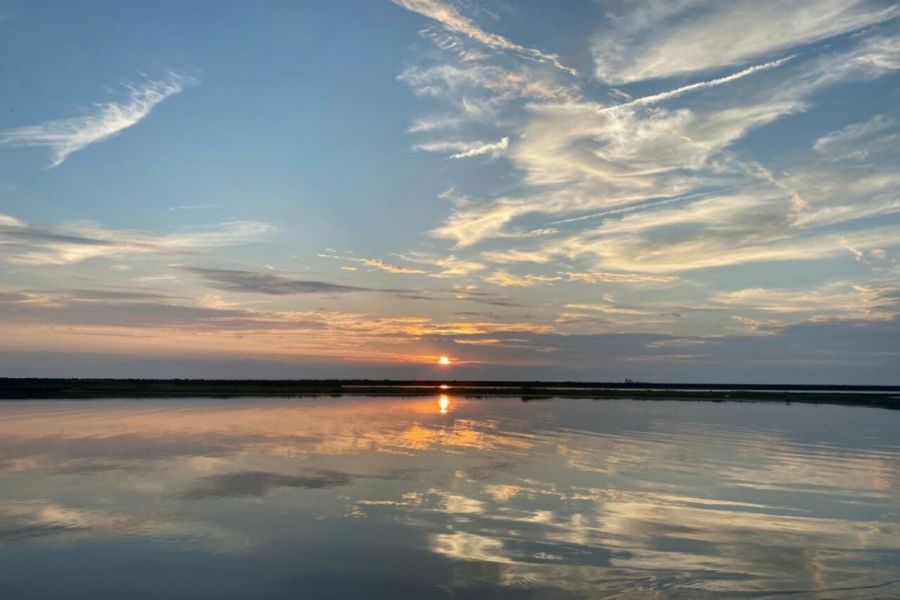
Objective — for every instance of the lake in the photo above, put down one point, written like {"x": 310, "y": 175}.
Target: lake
{"x": 447, "y": 497}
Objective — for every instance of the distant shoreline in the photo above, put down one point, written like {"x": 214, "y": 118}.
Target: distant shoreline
{"x": 84, "y": 389}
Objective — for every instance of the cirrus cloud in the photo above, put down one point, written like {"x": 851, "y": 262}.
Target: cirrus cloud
{"x": 66, "y": 136}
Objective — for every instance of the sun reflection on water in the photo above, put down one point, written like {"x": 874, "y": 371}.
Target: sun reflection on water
{"x": 444, "y": 404}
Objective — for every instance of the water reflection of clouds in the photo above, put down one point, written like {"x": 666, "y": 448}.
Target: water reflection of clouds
{"x": 553, "y": 496}
{"x": 259, "y": 483}
{"x": 20, "y": 520}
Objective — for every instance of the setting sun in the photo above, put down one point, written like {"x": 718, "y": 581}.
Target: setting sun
{"x": 443, "y": 361}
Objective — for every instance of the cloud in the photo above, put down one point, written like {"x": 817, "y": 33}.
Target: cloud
{"x": 107, "y": 295}
{"x": 24, "y": 244}
{"x": 459, "y": 82}
{"x": 493, "y": 150}
{"x": 65, "y": 136}
{"x": 389, "y": 268}
{"x": 613, "y": 277}
{"x": 472, "y": 293}
{"x": 658, "y": 191}
{"x": 32, "y": 321}
{"x": 805, "y": 352}
{"x": 504, "y": 279}
{"x": 662, "y": 39}
{"x": 585, "y": 338}
{"x": 9, "y": 222}
{"x": 267, "y": 283}
{"x": 839, "y": 299}
{"x": 844, "y": 142}
{"x": 467, "y": 149}
{"x": 608, "y": 309}
{"x": 376, "y": 263}
{"x": 449, "y": 17}
{"x": 129, "y": 311}
{"x": 448, "y": 266}
{"x": 470, "y": 225}
{"x": 434, "y": 123}
{"x": 702, "y": 85}
{"x": 722, "y": 230}
{"x": 138, "y": 312}
{"x": 443, "y": 267}
{"x": 668, "y": 242}
{"x": 580, "y": 157}
{"x": 452, "y": 266}
{"x": 616, "y": 157}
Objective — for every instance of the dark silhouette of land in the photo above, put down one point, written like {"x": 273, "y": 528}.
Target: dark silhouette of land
{"x": 34, "y": 388}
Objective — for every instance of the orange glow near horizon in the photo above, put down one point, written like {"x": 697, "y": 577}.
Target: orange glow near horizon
{"x": 444, "y": 361}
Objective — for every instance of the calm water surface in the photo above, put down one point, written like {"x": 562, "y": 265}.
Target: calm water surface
{"x": 447, "y": 498}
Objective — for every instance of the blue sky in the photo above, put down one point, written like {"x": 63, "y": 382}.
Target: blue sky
{"x": 687, "y": 190}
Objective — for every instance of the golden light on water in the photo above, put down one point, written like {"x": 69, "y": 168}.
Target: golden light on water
{"x": 444, "y": 403}
{"x": 444, "y": 386}
{"x": 444, "y": 361}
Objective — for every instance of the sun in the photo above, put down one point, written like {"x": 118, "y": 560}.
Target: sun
{"x": 444, "y": 361}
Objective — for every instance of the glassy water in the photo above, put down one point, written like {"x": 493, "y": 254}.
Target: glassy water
{"x": 447, "y": 497}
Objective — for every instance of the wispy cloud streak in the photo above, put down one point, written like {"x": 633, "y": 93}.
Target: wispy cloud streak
{"x": 267, "y": 283}
{"x": 493, "y": 150}
{"x": 452, "y": 20}
{"x": 25, "y": 244}
{"x": 467, "y": 149}
{"x": 66, "y": 136}
{"x": 649, "y": 40}
{"x": 701, "y": 85}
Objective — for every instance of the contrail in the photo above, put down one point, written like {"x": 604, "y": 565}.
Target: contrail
{"x": 700, "y": 85}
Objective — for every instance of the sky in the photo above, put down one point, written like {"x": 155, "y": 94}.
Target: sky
{"x": 679, "y": 190}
